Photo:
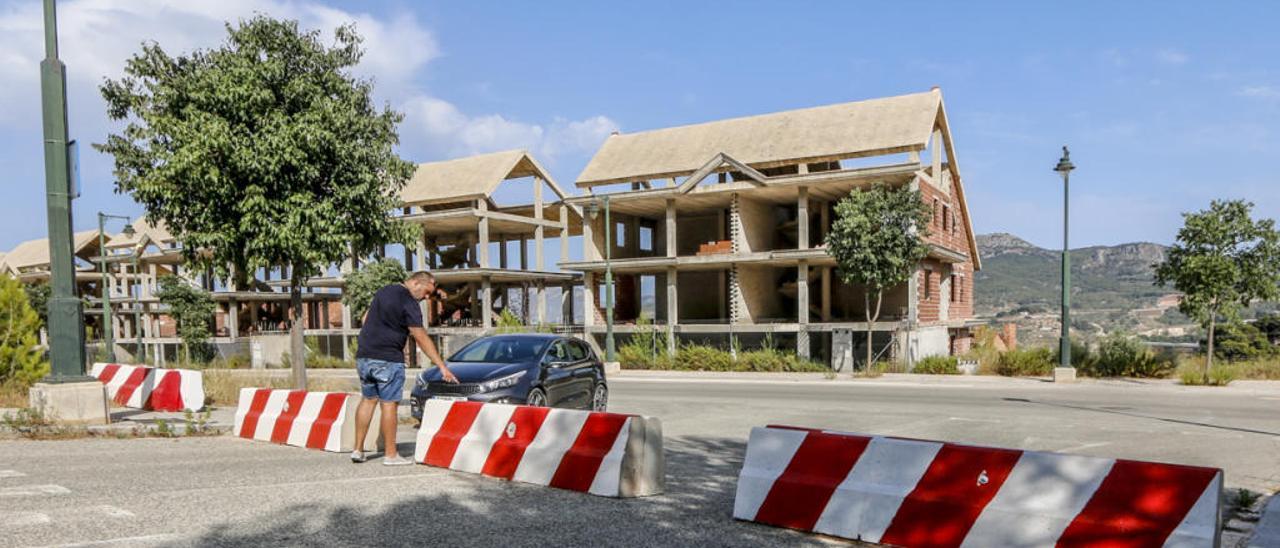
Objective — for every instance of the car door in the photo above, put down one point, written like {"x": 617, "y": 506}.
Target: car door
{"x": 557, "y": 373}
{"x": 582, "y": 373}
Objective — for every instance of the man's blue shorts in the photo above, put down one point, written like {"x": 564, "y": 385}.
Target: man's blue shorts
{"x": 380, "y": 379}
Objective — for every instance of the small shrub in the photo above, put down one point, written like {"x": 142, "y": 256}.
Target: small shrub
{"x": 770, "y": 359}
{"x": 1240, "y": 341}
{"x": 696, "y": 357}
{"x": 1120, "y": 355}
{"x": 938, "y": 365}
{"x": 1192, "y": 374}
{"x": 1244, "y": 499}
{"x": 509, "y": 323}
{"x": 1025, "y": 362}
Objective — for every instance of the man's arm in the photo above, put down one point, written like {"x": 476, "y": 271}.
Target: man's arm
{"x": 429, "y": 348}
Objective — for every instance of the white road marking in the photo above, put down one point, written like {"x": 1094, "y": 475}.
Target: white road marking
{"x": 114, "y": 511}
{"x": 1082, "y": 447}
{"x": 125, "y": 541}
{"x": 11, "y": 474}
{"x": 789, "y": 382}
{"x": 20, "y": 519}
{"x": 32, "y": 490}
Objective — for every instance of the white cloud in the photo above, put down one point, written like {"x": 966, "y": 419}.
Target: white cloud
{"x": 1172, "y": 57}
{"x": 448, "y": 132}
{"x": 1260, "y": 92}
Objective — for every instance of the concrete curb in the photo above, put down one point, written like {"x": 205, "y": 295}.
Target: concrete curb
{"x": 1267, "y": 533}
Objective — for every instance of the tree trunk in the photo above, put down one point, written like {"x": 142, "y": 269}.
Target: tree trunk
{"x": 1208, "y": 358}
{"x": 297, "y": 347}
{"x": 871, "y": 319}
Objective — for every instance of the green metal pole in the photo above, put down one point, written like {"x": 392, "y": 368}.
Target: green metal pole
{"x": 107, "y": 337}
{"x": 1064, "y": 167}
{"x": 608, "y": 285}
{"x": 66, "y": 315}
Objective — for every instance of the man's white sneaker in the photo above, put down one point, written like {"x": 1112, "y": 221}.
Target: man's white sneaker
{"x": 358, "y": 457}
{"x": 396, "y": 461}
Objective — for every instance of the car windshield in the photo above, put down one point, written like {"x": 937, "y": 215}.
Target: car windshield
{"x": 501, "y": 350}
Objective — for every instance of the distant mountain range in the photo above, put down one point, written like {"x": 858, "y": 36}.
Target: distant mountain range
{"x": 1111, "y": 288}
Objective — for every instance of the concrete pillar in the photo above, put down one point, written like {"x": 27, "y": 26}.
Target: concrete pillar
{"x": 802, "y": 219}
{"x": 826, "y": 293}
{"x": 420, "y": 258}
{"x": 233, "y": 319}
{"x": 566, "y": 304}
{"x": 673, "y": 309}
{"x": 486, "y": 303}
{"x": 588, "y": 299}
{"x": 588, "y": 241}
{"x": 802, "y": 293}
{"x": 524, "y": 253}
{"x": 484, "y": 235}
{"x": 564, "y": 233}
{"x": 824, "y": 220}
{"x": 542, "y": 301}
{"x": 538, "y": 231}
{"x": 671, "y": 227}
{"x": 346, "y": 327}
{"x": 502, "y": 251}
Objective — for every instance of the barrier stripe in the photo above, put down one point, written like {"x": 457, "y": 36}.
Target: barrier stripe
{"x": 950, "y": 496}
{"x": 507, "y": 452}
{"x": 259, "y": 403}
{"x": 108, "y": 372}
{"x": 579, "y": 466}
{"x": 323, "y": 424}
{"x": 865, "y": 503}
{"x": 542, "y": 457}
{"x": 284, "y": 423}
{"x": 167, "y": 393}
{"x": 818, "y": 466}
{"x": 131, "y": 384}
{"x": 445, "y": 442}
{"x": 1138, "y": 504}
{"x": 473, "y": 449}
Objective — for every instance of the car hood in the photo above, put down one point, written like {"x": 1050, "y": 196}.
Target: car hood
{"x": 471, "y": 372}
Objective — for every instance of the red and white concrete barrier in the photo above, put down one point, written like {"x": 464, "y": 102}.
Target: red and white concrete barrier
{"x": 315, "y": 420}
{"x": 150, "y": 388}
{"x": 606, "y": 454}
{"x": 915, "y": 493}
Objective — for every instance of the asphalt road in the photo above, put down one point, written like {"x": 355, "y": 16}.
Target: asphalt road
{"x": 225, "y": 491}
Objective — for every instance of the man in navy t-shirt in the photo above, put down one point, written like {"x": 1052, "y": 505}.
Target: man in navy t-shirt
{"x": 393, "y": 316}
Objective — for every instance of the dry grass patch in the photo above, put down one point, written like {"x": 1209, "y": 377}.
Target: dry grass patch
{"x": 223, "y": 387}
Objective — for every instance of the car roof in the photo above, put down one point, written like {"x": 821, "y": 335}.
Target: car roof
{"x": 544, "y": 336}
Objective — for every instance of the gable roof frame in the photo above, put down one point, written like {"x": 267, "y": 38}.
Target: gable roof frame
{"x": 717, "y": 161}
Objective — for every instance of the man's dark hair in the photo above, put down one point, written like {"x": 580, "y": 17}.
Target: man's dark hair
{"x": 421, "y": 276}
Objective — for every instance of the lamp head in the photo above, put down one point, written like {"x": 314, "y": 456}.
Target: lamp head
{"x": 129, "y": 231}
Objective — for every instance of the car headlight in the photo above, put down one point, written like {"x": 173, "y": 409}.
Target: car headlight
{"x": 500, "y": 383}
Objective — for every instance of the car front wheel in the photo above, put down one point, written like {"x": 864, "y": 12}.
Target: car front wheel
{"x": 537, "y": 398}
{"x": 600, "y": 398}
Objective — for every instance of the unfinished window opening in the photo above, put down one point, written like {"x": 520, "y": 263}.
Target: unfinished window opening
{"x": 780, "y": 170}
{"x": 946, "y": 218}
{"x": 619, "y": 234}
{"x": 646, "y": 237}
{"x": 935, "y": 212}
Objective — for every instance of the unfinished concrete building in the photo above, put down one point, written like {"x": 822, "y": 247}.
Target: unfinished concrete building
{"x": 718, "y": 228}
{"x": 488, "y": 256}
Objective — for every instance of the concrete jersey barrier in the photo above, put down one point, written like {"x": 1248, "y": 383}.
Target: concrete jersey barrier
{"x": 916, "y": 493}
{"x": 314, "y": 420}
{"x": 606, "y": 454}
{"x": 152, "y": 389}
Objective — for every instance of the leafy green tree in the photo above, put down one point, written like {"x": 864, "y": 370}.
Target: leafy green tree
{"x": 262, "y": 152}
{"x": 1222, "y": 261}
{"x": 21, "y": 359}
{"x": 1240, "y": 341}
{"x": 360, "y": 286}
{"x": 191, "y": 307}
{"x": 38, "y": 297}
{"x": 877, "y": 239}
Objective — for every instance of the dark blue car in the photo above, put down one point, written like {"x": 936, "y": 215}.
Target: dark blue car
{"x": 533, "y": 369}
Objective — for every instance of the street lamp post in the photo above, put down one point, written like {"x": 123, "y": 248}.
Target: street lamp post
{"x": 106, "y": 285}
{"x": 66, "y": 315}
{"x": 594, "y": 210}
{"x": 1064, "y": 168}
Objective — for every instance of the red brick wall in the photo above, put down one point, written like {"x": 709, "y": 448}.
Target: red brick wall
{"x": 929, "y": 289}
{"x": 949, "y": 229}
{"x": 961, "y": 343}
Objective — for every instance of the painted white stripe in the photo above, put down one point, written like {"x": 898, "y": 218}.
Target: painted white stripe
{"x": 96, "y": 372}
{"x": 1042, "y": 495}
{"x": 473, "y": 449}
{"x": 11, "y": 474}
{"x": 270, "y": 413}
{"x": 242, "y": 407}
{"x": 22, "y": 519}
{"x": 139, "y": 395}
{"x": 543, "y": 455}
{"x": 145, "y": 540}
{"x": 433, "y": 414}
{"x": 122, "y": 374}
{"x": 769, "y": 451}
{"x": 609, "y": 475}
{"x": 307, "y": 416}
{"x": 192, "y": 390}
{"x": 33, "y": 490}
{"x": 114, "y": 511}
{"x": 864, "y": 504}
{"x": 1200, "y": 526}
{"x": 334, "y": 442}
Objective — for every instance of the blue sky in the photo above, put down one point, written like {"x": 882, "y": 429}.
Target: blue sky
{"x": 1166, "y": 105}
